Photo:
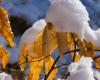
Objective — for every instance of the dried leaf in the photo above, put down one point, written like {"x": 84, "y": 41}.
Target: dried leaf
{"x": 39, "y": 47}
{"x": 35, "y": 50}
{"x": 4, "y": 56}
{"x": 22, "y": 58}
{"x": 77, "y": 57}
{"x": 90, "y": 49}
{"x": 70, "y": 43}
{"x": 97, "y": 61}
{"x": 48, "y": 64}
{"x": 34, "y": 69}
{"x": 49, "y": 39}
{"x": 34, "y": 47}
{"x": 62, "y": 42}
{"x": 81, "y": 46}
{"x": 5, "y": 29}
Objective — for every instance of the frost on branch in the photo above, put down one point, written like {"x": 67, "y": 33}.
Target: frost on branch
{"x": 72, "y": 16}
{"x": 81, "y": 70}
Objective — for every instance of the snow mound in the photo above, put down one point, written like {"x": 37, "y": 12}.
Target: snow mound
{"x": 30, "y": 36}
{"x": 5, "y": 76}
{"x": 72, "y": 16}
{"x": 65, "y": 16}
{"x": 81, "y": 70}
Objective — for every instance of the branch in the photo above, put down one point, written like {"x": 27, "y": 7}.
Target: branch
{"x": 46, "y": 77}
{"x": 68, "y": 52}
{"x": 94, "y": 58}
{"x": 61, "y": 66}
{"x": 33, "y": 61}
{"x": 74, "y": 47}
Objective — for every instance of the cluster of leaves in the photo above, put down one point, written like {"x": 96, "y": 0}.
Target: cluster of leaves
{"x": 47, "y": 41}
{"x": 6, "y": 32}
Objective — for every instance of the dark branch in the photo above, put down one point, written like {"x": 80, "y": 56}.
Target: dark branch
{"x": 61, "y": 66}
{"x": 94, "y": 58}
{"x": 33, "y": 61}
{"x": 46, "y": 77}
{"x": 74, "y": 47}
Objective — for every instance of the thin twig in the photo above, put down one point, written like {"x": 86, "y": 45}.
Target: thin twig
{"x": 44, "y": 69}
{"x": 46, "y": 77}
{"x": 33, "y": 61}
{"x": 94, "y": 58}
{"x": 61, "y": 66}
{"x": 68, "y": 52}
{"x": 74, "y": 47}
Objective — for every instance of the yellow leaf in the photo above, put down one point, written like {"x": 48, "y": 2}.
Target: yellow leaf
{"x": 35, "y": 50}
{"x": 77, "y": 57}
{"x": 97, "y": 61}
{"x": 70, "y": 42}
{"x": 34, "y": 69}
{"x": 81, "y": 46}
{"x": 22, "y": 58}
{"x": 62, "y": 42}
{"x": 48, "y": 64}
{"x": 5, "y": 29}
{"x": 89, "y": 49}
{"x": 49, "y": 39}
{"x": 38, "y": 50}
{"x": 4, "y": 56}
{"x": 45, "y": 41}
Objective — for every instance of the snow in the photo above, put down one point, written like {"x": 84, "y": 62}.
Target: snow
{"x": 5, "y": 76}
{"x": 72, "y": 16}
{"x": 63, "y": 14}
{"x": 97, "y": 74}
{"x": 30, "y": 35}
{"x": 81, "y": 70}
